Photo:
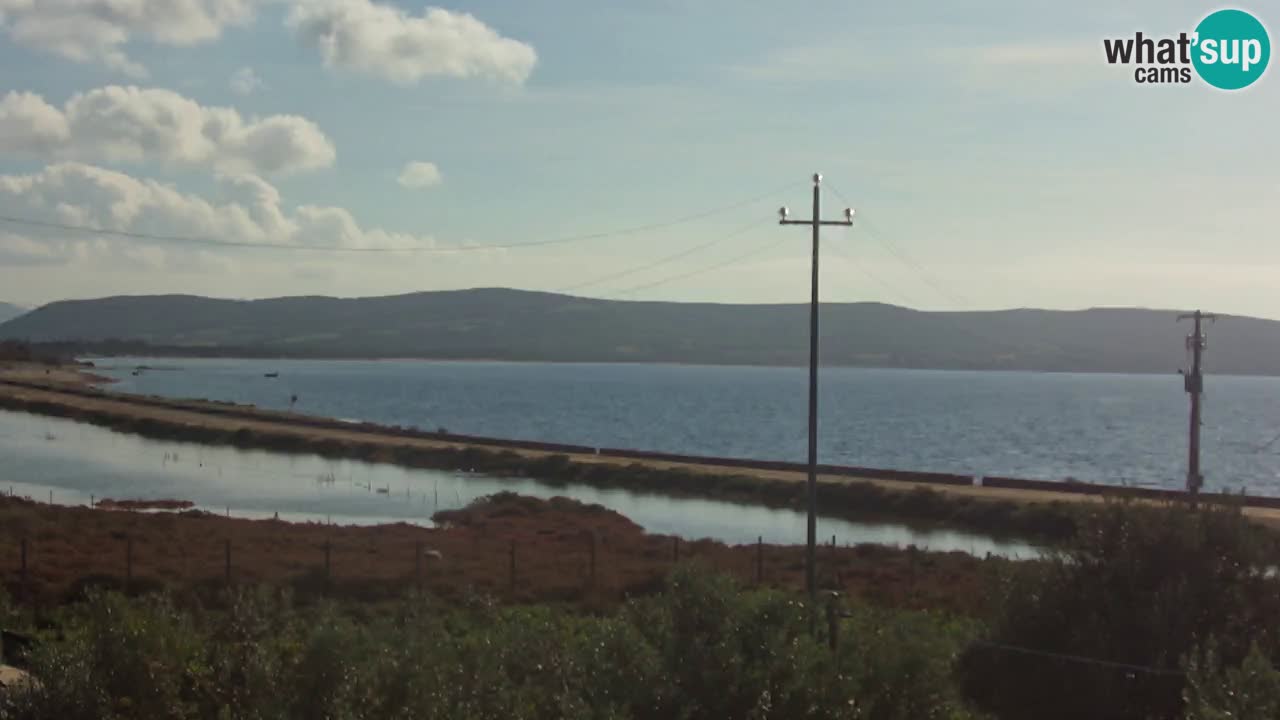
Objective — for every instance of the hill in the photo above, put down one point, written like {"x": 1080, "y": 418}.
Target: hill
{"x": 9, "y": 312}
{"x": 533, "y": 326}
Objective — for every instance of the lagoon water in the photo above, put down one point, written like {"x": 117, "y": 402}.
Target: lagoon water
{"x": 1116, "y": 429}
{"x": 75, "y": 463}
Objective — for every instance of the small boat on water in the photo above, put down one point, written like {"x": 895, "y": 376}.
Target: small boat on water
{"x": 271, "y": 374}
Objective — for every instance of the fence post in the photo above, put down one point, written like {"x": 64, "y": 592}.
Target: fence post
{"x": 833, "y": 623}
{"x": 22, "y": 575}
{"x": 417, "y": 565}
{"x": 227, "y": 568}
{"x": 911, "y": 560}
{"x": 593, "y": 559}
{"x": 760, "y": 559}
{"x": 512, "y": 571}
{"x": 327, "y": 546}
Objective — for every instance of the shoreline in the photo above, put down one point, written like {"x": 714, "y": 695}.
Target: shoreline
{"x": 1025, "y": 510}
{"x": 266, "y": 357}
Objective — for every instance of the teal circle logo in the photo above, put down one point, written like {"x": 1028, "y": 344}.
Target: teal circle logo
{"x": 1231, "y": 49}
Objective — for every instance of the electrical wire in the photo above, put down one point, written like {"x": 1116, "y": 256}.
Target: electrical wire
{"x": 884, "y": 285}
{"x": 214, "y": 242}
{"x": 660, "y": 261}
{"x": 1146, "y": 669}
{"x": 870, "y": 229}
{"x": 760, "y": 249}
{"x": 1267, "y": 445}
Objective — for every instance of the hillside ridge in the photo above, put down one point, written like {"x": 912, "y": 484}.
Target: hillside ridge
{"x": 507, "y": 324}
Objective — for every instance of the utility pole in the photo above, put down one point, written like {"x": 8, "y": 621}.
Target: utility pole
{"x": 1193, "y": 383}
{"x": 815, "y": 222}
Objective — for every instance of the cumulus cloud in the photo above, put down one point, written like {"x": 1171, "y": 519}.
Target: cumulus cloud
{"x": 419, "y": 175}
{"x": 17, "y": 249}
{"x": 137, "y": 125}
{"x": 248, "y": 210}
{"x": 245, "y": 81}
{"x": 96, "y": 31}
{"x": 28, "y": 123}
{"x": 385, "y": 41}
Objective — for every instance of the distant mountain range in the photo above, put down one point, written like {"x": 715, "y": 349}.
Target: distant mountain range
{"x": 9, "y": 312}
{"x": 506, "y": 324}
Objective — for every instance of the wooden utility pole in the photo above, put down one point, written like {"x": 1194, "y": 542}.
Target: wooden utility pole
{"x": 1193, "y": 383}
{"x": 814, "y": 222}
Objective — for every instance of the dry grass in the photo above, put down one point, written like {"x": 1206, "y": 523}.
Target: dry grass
{"x": 69, "y": 547}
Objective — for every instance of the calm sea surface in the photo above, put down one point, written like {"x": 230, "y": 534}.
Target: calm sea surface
{"x": 1118, "y": 429}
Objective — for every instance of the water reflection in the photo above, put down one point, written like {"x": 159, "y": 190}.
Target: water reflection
{"x": 78, "y": 462}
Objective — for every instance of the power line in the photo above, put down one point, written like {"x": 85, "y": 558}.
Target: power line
{"x": 884, "y": 285}
{"x": 1146, "y": 669}
{"x": 659, "y": 262}
{"x": 1267, "y": 445}
{"x": 925, "y": 275}
{"x": 871, "y": 229}
{"x": 214, "y": 242}
{"x": 758, "y": 250}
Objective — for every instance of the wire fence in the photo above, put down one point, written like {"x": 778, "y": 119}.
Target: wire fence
{"x": 423, "y": 564}
{"x": 413, "y": 562}
{"x": 51, "y": 558}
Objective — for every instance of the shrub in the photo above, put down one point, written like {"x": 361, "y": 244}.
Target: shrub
{"x": 1141, "y": 586}
{"x": 119, "y": 659}
{"x": 1214, "y": 692}
{"x": 703, "y": 648}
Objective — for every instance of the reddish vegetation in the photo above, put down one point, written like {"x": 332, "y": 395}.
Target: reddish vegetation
{"x": 109, "y": 504}
{"x": 69, "y": 546}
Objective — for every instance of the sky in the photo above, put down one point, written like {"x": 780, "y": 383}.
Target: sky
{"x": 261, "y": 148}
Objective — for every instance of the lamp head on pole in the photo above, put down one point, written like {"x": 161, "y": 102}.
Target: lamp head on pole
{"x": 783, "y": 212}
{"x": 848, "y": 214}
{"x": 817, "y": 178}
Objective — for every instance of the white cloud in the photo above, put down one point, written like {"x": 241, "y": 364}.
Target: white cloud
{"x": 245, "y": 81}
{"x": 249, "y": 210}
{"x": 136, "y": 125}
{"x": 387, "y": 42}
{"x": 28, "y": 123}
{"x": 96, "y": 31}
{"x": 419, "y": 175}
{"x": 19, "y": 250}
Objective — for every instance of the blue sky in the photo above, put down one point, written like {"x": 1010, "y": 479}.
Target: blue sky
{"x": 997, "y": 159}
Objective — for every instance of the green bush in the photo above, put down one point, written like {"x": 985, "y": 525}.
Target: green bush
{"x": 120, "y": 658}
{"x": 904, "y": 663}
{"x": 704, "y": 648}
{"x": 1214, "y": 692}
{"x": 1141, "y": 586}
